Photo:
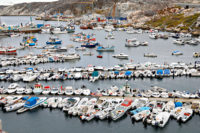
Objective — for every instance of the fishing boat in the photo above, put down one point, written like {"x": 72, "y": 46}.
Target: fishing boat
{"x": 70, "y": 29}
{"x": 177, "y": 53}
{"x": 196, "y": 54}
{"x": 80, "y": 48}
{"x": 105, "y": 49}
{"x": 32, "y": 103}
{"x": 89, "y": 45}
{"x": 54, "y": 41}
{"x": 121, "y": 56}
{"x": 29, "y": 30}
{"x": 179, "y": 41}
{"x": 13, "y": 34}
{"x": 46, "y": 90}
{"x": 37, "y": 89}
{"x": 161, "y": 119}
{"x": 29, "y": 41}
{"x": 88, "y": 53}
{"x": 150, "y": 55}
{"x": 8, "y": 51}
{"x": 176, "y": 36}
{"x": 83, "y": 27}
{"x": 153, "y": 36}
{"x": 45, "y": 30}
{"x": 132, "y": 44}
{"x": 121, "y": 109}
{"x": 59, "y": 30}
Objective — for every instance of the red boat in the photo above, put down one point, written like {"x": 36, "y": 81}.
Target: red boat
{"x": 84, "y": 27}
{"x": 99, "y": 56}
{"x": 8, "y": 51}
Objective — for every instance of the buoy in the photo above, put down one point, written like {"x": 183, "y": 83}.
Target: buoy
{"x": 99, "y": 56}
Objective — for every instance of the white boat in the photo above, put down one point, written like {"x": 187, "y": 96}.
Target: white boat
{"x": 12, "y": 99}
{"x": 37, "y": 89}
{"x": 78, "y": 91}
{"x": 120, "y": 110}
{"x": 155, "y": 94}
{"x": 140, "y": 113}
{"x": 153, "y": 36}
{"x": 69, "y": 90}
{"x": 47, "y": 102}
{"x": 70, "y": 103}
{"x": 185, "y": 114}
{"x": 45, "y": 30}
{"x": 55, "y": 102}
{"x": 28, "y": 91}
{"x": 177, "y": 53}
{"x": 12, "y": 88}
{"x": 14, "y": 107}
{"x": 74, "y": 110}
{"x": 29, "y": 77}
{"x": 85, "y": 109}
{"x": 85, "y": 91}
{"x": 71, "y": 56}
{"x": 77, "y": 75}
{"x": 46, "y": 90}
{"x": 59, "y": 30}
{"x": 161, "y": 119}
{"x": 20, "y": 90}
{"x": 159, "y": 107}
{"x": 150, "y": 55}
{"x": 121, "y": 56}
{"x": 61, "y": 91}
{"x": 132, "y": 44}
{"x": 179, "y": 42}
{"x": 176, "y": 112}
{"x": 54, "y": 91}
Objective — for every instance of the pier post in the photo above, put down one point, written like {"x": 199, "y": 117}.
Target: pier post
{"x": 0, "y": 127}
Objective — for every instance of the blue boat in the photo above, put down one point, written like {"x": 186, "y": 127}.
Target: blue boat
{"x": 32, "y": 103}
{"x": 54, "y": 41}
{"x": 70, "y": 29}
{"x": 167, "y": 72}
{"x": 105, "y": 49}
{"x": 89, "y": 45}
{"x": 159, "y": 73}
{"x": 136, "y": 111}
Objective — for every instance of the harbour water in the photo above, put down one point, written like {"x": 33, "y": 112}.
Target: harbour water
{"x": 51, "y": 121}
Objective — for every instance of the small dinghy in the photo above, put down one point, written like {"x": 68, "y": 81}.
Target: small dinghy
{"x": 99, "y": 56}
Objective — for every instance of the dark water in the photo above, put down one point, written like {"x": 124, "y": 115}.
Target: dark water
{"x": 55, "y": 121}
{"x": 46, "y": 121}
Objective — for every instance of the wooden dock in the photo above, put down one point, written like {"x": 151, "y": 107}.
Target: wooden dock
{"x": 184, "y": 100}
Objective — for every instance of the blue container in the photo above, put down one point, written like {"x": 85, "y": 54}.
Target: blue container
{"x": 40, "y": 25}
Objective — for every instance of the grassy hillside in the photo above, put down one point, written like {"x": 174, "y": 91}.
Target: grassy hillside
{"x": 175, "y": 20}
